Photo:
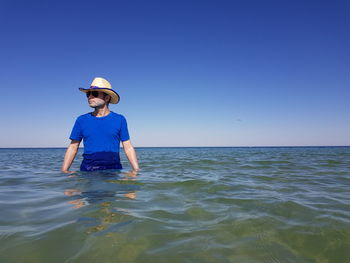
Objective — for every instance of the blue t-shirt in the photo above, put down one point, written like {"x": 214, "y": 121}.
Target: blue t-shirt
{"x": 101, "y": 137}
{"x": 100, "y": 134}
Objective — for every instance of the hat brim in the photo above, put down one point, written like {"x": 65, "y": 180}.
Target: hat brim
{"x": 115, "y": 98}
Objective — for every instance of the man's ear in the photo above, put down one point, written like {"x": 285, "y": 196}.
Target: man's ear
{"x": 108, "y": 98}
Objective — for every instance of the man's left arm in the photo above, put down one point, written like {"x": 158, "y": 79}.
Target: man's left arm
{"x": 131, "y": 154}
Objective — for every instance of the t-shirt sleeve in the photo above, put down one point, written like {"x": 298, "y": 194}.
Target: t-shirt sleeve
{"x": 124, "y": 133}
{"x": 76, "y": 133}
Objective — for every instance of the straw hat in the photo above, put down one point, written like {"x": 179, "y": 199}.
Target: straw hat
{"x": 101, "y": 84}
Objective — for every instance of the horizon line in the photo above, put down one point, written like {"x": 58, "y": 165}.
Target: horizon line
{"x": 266, "y": 146}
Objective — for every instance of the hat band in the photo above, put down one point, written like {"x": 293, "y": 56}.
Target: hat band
{"x": 95, "y": 87}
{"x": 106, "y": 89}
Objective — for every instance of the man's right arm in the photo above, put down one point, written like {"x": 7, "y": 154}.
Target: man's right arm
{"x": 70, "y": 155}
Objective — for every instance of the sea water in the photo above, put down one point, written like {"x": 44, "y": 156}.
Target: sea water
{"x": 185, "y": 205}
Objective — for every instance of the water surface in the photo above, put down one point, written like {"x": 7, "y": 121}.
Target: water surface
{"x": 186, "y": 205}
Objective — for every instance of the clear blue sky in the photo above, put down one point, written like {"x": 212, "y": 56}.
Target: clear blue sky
{"x": 190, "y": 73}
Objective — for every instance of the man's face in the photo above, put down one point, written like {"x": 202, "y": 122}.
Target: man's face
{"x": 96, "y": 101}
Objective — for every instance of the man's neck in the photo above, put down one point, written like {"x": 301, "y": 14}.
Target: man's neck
{"x": 101, "y": 112}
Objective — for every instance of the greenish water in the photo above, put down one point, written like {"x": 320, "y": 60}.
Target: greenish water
{"x": 186, "y": 205}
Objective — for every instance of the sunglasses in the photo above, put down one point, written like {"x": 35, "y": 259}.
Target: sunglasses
{"x": 93, "y": 93}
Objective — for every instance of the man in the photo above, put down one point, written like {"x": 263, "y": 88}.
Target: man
{"x": 102, "y": 131}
